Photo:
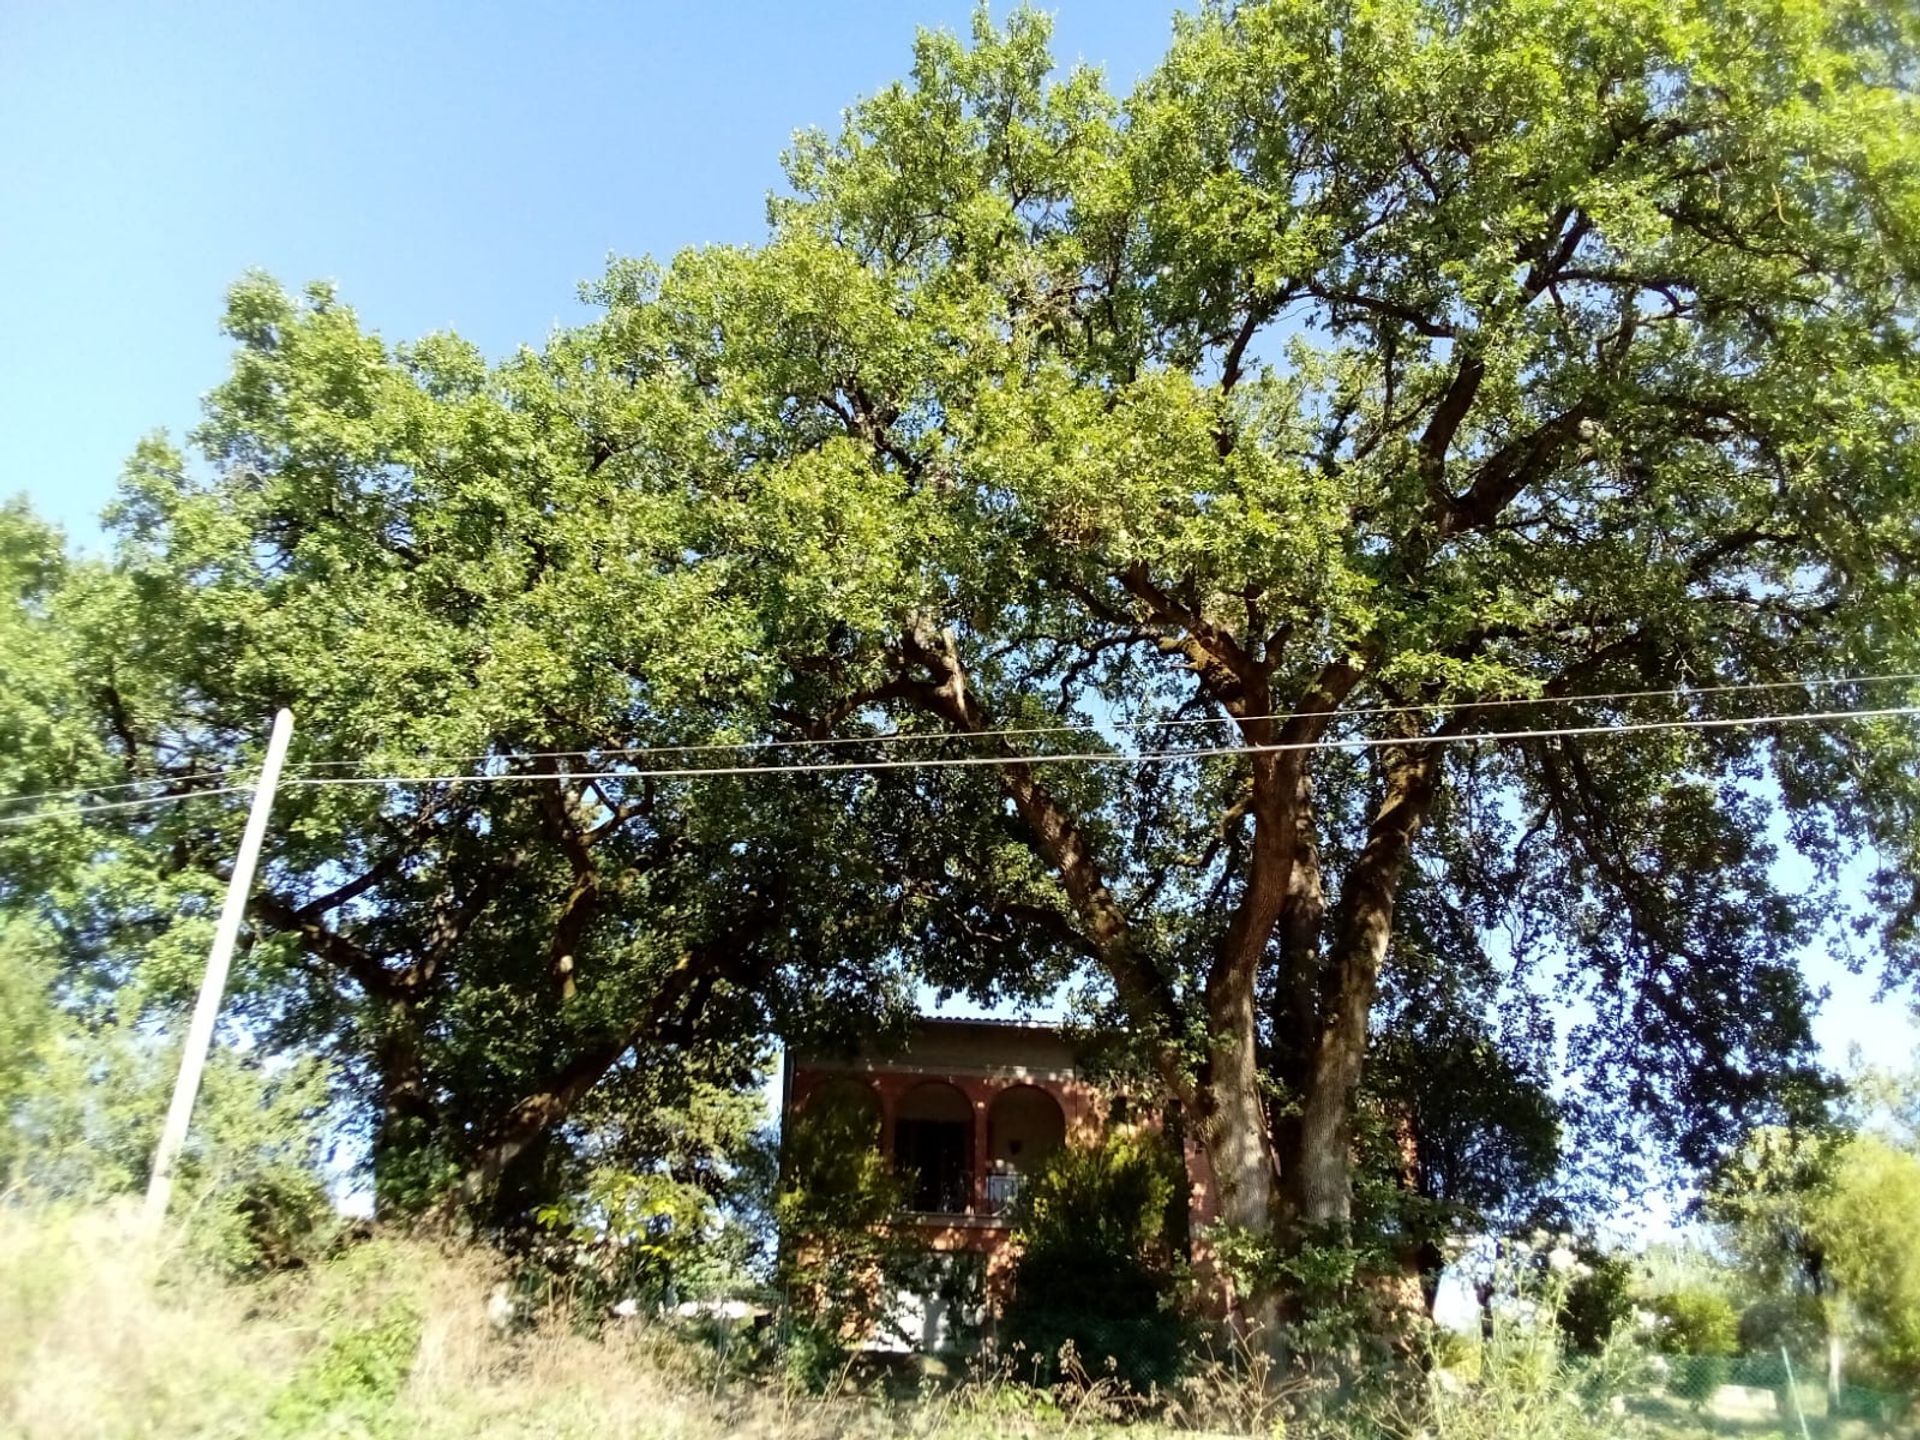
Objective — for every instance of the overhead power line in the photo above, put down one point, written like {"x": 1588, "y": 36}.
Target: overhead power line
{"x": 141, "y": 804}
{"x": 115, "y": 786}
{"x": 1096, "y": 727}
{"x": 1106, "y": 757}
{"x": 952, "y": 762}
{"x": 1011, "y": 732}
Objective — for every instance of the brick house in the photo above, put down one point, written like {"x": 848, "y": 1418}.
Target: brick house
{"x": 967, "y": 1109}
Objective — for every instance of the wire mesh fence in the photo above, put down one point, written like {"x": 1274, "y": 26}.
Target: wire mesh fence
{"x": 1766, "y": 1393}
{"x": 1467, "y": 1391}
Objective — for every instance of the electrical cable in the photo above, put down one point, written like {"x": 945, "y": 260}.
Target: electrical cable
{"x": 1117, "y": 757}
{"x": 1094, "y": 727}
{"x": 117, "y": 785}
{"x": 1149, "y": 757}
{"x": 54, "y": 814}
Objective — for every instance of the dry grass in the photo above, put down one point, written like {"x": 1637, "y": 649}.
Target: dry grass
{"x": 393, "y": 1339}
{"x": 98, "y": 1340}
{"x": 92, "y": 1343}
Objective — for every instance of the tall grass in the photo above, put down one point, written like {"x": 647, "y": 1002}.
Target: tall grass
{"x": 391, "y": 1338}
{"x": 394, "y": 1338}
{"x": 99, "y": 1339}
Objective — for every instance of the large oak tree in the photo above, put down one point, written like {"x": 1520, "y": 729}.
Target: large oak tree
{"x": 1370, "y": 369}
{"x": 1369, "y": 382}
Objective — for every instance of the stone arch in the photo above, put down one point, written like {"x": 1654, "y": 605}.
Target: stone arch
{"x": 844, "y": 1094}
{"x": 1025, "y": 1124}
{"x": 933, "y": 1147}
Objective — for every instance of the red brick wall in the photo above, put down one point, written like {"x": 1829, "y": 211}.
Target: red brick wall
{"x": 1083, "y": 1106}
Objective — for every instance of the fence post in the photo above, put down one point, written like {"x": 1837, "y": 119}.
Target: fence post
{"x": 1793, "y": 1393}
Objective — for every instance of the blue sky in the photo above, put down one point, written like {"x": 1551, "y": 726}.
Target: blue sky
{"x": 448, "y": 166}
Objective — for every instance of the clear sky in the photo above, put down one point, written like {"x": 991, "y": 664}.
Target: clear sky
{"x": 448, "y": 166}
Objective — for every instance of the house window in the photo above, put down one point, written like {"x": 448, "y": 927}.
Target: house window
{"x": 933, "y": 1148}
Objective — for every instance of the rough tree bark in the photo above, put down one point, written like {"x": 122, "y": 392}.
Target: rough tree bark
{"x": 1320, "y": 1015}
{"x": 1321, "y": 1175}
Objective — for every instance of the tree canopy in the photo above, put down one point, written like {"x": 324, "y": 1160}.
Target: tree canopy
{"x": 1372, "y": 383}
{"x": 1823, "y": 1217}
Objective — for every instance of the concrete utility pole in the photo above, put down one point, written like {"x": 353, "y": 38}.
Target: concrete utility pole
{"x": 214, "y": 983}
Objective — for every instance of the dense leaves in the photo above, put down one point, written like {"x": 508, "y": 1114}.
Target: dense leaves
{"x": 1094, "y": 1284}
{"x": 1820, "y": 1224}
{"x": 1370, "y": 384}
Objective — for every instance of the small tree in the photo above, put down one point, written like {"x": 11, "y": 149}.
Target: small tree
{"x": 1830, "y": 1220}
{"x": 1095, "y": 1271}
{"x": 1696, "y": 1321}
{"x": 840, "y": 1258}
{"x": 1597, "y": 1299}
{"x": 672, "y": 1203}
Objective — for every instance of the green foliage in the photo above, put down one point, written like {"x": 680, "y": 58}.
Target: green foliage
{"x": 1529, "y": 1376}
{"x": 1795, "y": 1322}
{"x": 1528, "y": 1385}
{"x": 1094, "y": 1279}
{"x": 1458, "y": 1133}
{"x": 1866, "y": 1220}
{"x": 353, "y": 1377}
{"x": 1107, "y": 1199}
{"x": 1368, "y": 373}
{"x": 1597, "y": 1301}
{"x": 842, "y": 1262}
{"x": 1823, "y": 1220}
{"x": 1695, "y": 1322}
{"x": 392, "y": 1338}
{"x": 634, "y": 1237}
{"x": 406, "y": 548}
{"x": 84, "y": 1104}
{"x": 673, "y": 1203}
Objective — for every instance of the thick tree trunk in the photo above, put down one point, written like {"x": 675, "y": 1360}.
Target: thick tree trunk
{"x": 1239, "y": 1142}
{"x": 1320, "y": 1012}
{"x": 408, "y": 1117}
{"x": 1320, "y": 1183}
{"x": 1179, "y": 1217}
{"x": 1320, "y": 1180}
{"x": 1235, "y": 1126}
{"x": 584, "y": 897}
{"x": 1240, "y": 1150}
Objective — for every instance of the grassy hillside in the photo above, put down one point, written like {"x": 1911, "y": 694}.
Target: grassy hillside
{"x": 406, "y": 1338}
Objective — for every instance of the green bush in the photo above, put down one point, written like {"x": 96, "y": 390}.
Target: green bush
{"x": 841, "y": 1261}
{"x": 1792, "y": 1321}
{"x": 353, "y": 1378}
{"x": 1695, "y": 1322}
{"x": 1597, "y": 1301}
{"x": 643, "y": 1237}
{"x": 1523, "y": 1378}
{"x": 1094, "y": 1281}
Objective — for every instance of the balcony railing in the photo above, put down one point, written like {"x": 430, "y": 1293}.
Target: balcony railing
{"x": 1002, "y": 1191}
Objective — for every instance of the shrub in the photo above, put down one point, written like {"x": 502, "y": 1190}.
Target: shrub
{"x": 1695, "y": 1322}
{"x": 354, "y": 1377}
{"x": 81, "y": 1102}
{"x": 1597, "y": 1301}
{"x": 1793, "y": 1321}
{"x": 1094, "y": 1279}
{"x": 1526, "y": 1377}
{"x": 841, "y": 1262}
{"x": 641, "y": 1238}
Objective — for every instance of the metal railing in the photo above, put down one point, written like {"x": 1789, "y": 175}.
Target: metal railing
{"x": 1002, "y": 1191}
